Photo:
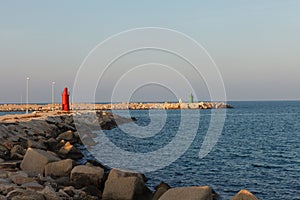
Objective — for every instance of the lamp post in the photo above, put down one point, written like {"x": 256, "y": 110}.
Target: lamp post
{"x": 27, "y": 90}
{"x": 53, "y": 84}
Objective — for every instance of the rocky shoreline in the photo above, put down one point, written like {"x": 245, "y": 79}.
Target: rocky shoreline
{"x": 39, "y": 159}
{"x": 115, "y": 106}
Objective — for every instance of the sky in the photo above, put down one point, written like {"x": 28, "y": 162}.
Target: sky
{"x": 255, "y": 45}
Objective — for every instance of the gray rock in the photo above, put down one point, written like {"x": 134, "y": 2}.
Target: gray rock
{"x": 70, "y": 190}
{"x": 21, "y": 179}
{"x": 92, "y": 190}
{"x": 117, "y": 173}
{"x": 18, "y": 149}
{"x": 20, "y": 194}
{"x": 6, "y": 188}
{"x": 4, "y": 152}
{"x": 10, "y": 164}
{"x": 3, "y": 174}
{"x": 63, "y": 181}
{"x": 35, "y": 160}
{"x": 160, "y": 190}
{"x": 16, "y": 156}
{"x": 244, "y": 195}
{"x": 5, "y": 181}
{"x": 51, "y": 143}
{"x": 59, "y": 168}
{"x": 16, "y": 192}
{"x": 70, "y": 151}
{"x": 67, "y": 136}
{"x": 53, "y": 120}
{"x": 19, "y": 173}
{"x": 62, "y": 195}
{"x": 81, "y": 195}
{"x": 125, "y": 188}
{"x": 36, "y": 145}
{"x": 126, "y": 185}
{"x": 188, "y": 193}
{"x": 13, "y": 138}
{"x": 49, "y": 193}
{"x": 33, "y": 186}
{"x": 84, "y": 175}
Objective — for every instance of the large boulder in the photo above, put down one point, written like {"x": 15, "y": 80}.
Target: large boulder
{"x": 67, "y": 136}
{"x": 244, "y": 195}
{"x": 117, "y": 173}
{"x": 86, "y": 175}
{"x": 59, "y": 168}
{"x": 129, "y": 188}
{"x": 70, "y": 151}
{"x": 188, "y": 193}
{"x": 160, "y": 190}
{"x": 36, "y": 145}
{"x": 35, "y": 160}
{"x": 126, "y": 186}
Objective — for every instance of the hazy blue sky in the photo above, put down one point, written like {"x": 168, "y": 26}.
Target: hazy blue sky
{"x": 255, "y": 43}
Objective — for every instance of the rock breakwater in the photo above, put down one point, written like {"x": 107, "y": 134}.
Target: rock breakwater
{"x": 116, "y": 106}
{"x": 39, "y": 160}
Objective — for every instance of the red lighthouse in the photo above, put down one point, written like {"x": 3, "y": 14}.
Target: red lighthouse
{"x": 65, "y": 100}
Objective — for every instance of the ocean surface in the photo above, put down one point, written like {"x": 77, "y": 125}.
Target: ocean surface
{"x": 258, "y": 150}
{"x": 11, "y": 113}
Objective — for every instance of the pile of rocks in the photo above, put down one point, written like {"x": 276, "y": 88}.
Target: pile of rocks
{"x": 116, "y": 106}
{"x": 39, "y": 160}
{"x": 166, "y": 105}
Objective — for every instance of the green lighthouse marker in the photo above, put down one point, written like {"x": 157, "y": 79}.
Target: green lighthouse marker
{"x": 191, "y": 98}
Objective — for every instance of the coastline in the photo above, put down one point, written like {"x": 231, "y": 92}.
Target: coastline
{"x": 52, "y": 137}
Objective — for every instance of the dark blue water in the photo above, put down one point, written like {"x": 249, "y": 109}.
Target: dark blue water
{"x": 12, "y": 113}
{"x": 259, "y": 150}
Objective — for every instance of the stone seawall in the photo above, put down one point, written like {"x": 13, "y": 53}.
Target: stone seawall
{"x": 39, "y": 160}
{"x": 116, "y": 106}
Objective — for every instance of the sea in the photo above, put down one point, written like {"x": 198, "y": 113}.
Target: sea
{"x": 258, "y": 149}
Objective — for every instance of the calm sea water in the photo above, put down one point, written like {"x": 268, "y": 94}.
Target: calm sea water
{"x": 259, "y": 150}
{"x": 11, "y": 113}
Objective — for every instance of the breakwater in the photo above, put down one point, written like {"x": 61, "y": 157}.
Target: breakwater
{"x": 39, "y": 160}
{"x": 116, "y": 106}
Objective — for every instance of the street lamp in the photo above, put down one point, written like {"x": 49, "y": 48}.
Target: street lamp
{"x": 53, "y": 84}
{"x": 27, "y": 90}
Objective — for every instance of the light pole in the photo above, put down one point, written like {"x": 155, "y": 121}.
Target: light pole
{"x": 27, "y": 90}
{"x": 53, "y": 84}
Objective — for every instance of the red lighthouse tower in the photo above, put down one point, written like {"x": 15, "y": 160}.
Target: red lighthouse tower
{"x": 65, "y": 100}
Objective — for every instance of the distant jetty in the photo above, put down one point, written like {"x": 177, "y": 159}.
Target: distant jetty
{"x": 116, "y": 106}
